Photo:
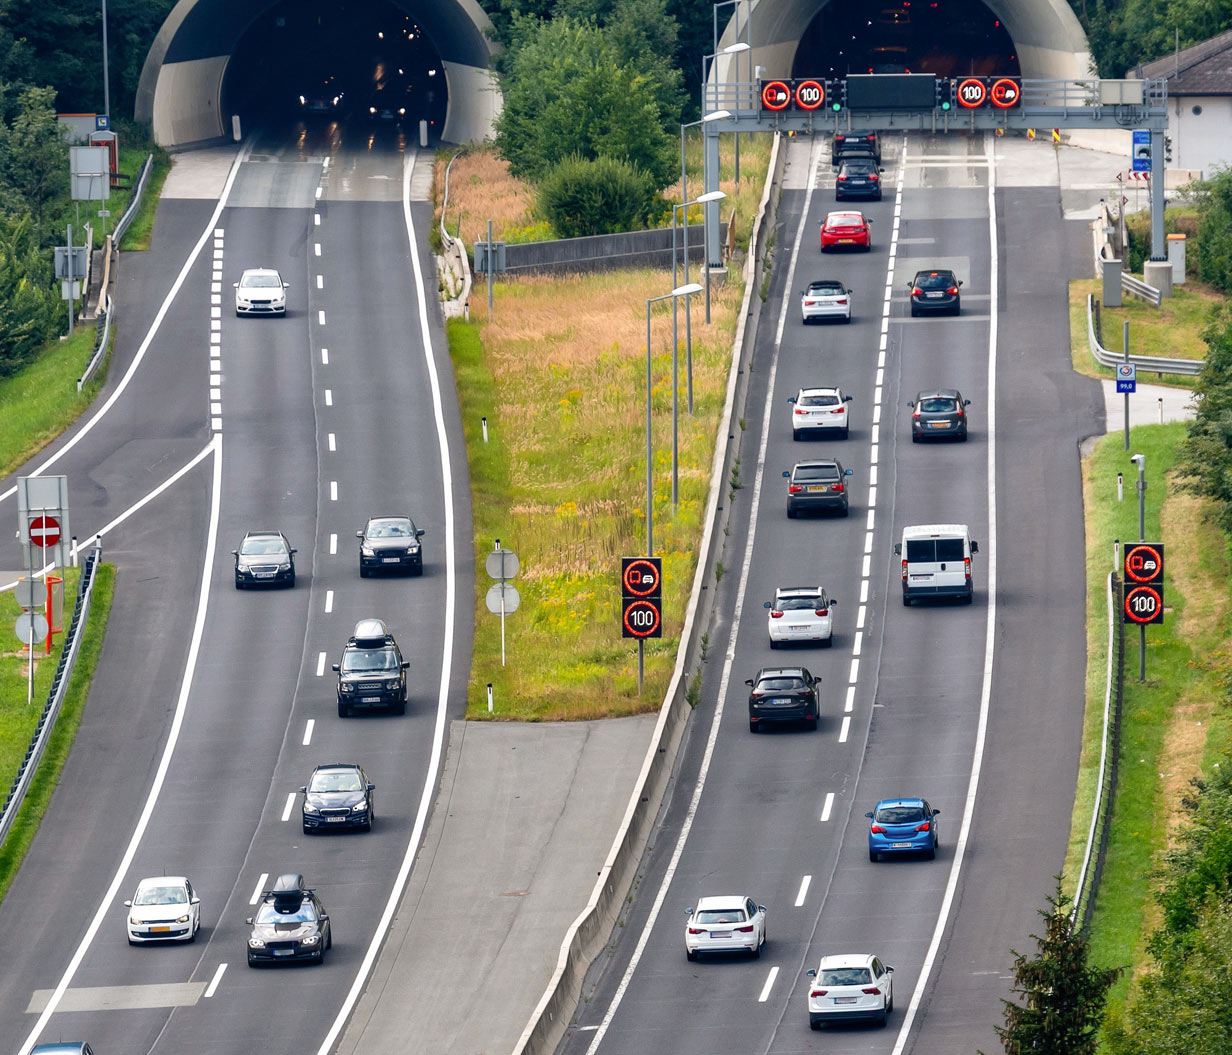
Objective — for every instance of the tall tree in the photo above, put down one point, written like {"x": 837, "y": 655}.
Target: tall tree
{"x": 34, "y": 159}
{"x": 1061, "y": 996}
{"x": 1204, "y": 464}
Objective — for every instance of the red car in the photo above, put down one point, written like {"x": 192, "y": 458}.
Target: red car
{"x": 841, "y": 229}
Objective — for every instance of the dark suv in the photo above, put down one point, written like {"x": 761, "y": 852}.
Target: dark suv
{"x": 820, "y": 484}
{"x": 372, "y": 672}
{"x": 782, "y": 694}
{"x": 857, "y": 141}
{"x": 858, "y": 177}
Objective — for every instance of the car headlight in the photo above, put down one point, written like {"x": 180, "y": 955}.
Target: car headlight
{"x": 367, "y": 550}
{"x": 183, "y": 919}
{"x": 346, "y": 686}
{"x": 312, "y": 939}
{"x": 392, "y": 683}
{"x": 284, "y": 567}
{"x": 256, "y": 943}
{"x": 361, "y": 807}
{"x": 310, "y": 808}
{"x": 134, "y": 921}
{"x": 413, "y": 548}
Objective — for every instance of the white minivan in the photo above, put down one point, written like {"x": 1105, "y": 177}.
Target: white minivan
{"x": 936, "y": 561}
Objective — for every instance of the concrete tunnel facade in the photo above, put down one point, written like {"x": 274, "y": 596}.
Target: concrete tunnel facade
{"x": 181, "y": 94}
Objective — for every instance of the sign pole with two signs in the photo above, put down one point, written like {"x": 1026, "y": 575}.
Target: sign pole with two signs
{"x": 641, "y": 609}
{"x": 1143, "y": 604}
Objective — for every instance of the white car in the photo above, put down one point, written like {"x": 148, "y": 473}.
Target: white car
{"x": 725, "y": 924}
{"x": 260, "y": 291}
{"x": 850, "y": 987}
{"x": 800, "y": 613}
{"x": 816, "y": 411}
{"x": 165, "y": 908}
{"x": 825, "y": 298}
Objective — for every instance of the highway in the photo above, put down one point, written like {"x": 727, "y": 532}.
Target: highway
{"x": 976, "y": 708}
{"x": 211, "y": 706}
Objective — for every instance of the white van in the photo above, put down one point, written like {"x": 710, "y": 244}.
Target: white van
{"x": 936, "y": 561}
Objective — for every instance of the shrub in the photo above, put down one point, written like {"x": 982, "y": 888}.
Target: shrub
{"x": 581, "y": 197}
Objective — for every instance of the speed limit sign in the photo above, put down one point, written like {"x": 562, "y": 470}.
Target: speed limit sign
{"x": 1144, "y": 605}
{"x": 972, "y": 93}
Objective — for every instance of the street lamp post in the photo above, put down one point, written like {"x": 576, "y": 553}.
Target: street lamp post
{"x": 106, "y": 78}
{"x": 701, "y": 199}
{"x": 714, "y": 115}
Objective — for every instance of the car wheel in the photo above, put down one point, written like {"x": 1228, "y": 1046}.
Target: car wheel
{"x": 957, "y": 310}
{"x": 753, "y": 726}
{"x": 845, "y": 433}
{"x": 846, "y": 318}
{"x": 343, "y": 710}
{"x": 363, "y": 572}
{"x": 773, "y": 643}
{"x": 251, "y": 961}
{"x": 814, "y": 1025}
{"x": 881, "y": 1018}
{"x": 844, "y": 511}
{"x": 810, "y": 724}
{"x": 931, "y": 852}
{"x": 291, "y": 580}
{"x": 795, "y": 434}
{"x": 914, "y": 314}
{"x": 307, "y": 830}
{"x": 791, "y": 513}
{"x": 690, "y": 955}
{"x": 417, "y": 572}
{"x": 890, "y": 1002}
{"x": 400, "y": 706}
{"x": 828, "y": 642}
{"x": 969, "y": 598}
{"x": 757, "y": 952}
{"x": 915, "y": 437}
{"x": 239, "y": 585}
{"x": 906, "y": 601}
{"x": 962, "y": 437}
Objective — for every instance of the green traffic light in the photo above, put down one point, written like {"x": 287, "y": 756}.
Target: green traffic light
{"x": 836, "y": 107}
{"x": 945, "y": 105}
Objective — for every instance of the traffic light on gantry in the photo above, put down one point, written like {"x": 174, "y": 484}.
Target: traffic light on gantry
{"x": 945, "y": 94}
{"x": 1168, "y": 149}
{"x": 836, "y": 94}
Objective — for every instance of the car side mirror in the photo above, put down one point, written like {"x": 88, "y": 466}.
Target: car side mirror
{"x": 881, "y": 170}
{"x": 811, "y": 973}
{"x": 235, "y": 553}
{"x": 304, "y": 790}
{"x": 846, "y": 399}
{"x": 748, "y": 681}
{"x": 898, "y": 548}
{"x": 293, "y": 552}
{"x": 335, "y": 667}
{"x": 236, "y": 285}
{"x": 406, "y": 664}
{"x": 849, "y": 472}
{"x": 975, "y": 546}
{"x": 196, "y": 900}
{"x": 960, "y": 283}
{"x": 688, "y": 911}
{"x": 767, "y": 605}
{"x": 359, "y": 534}
{"x": 889, "y": 970}
{"x": 286, "y": 285}
{"x": 128, "y": 904}
{"x": 325, "y": 919}
{"x": 869, "y": 816}
{"x": 936, "y": 813}
{"x": 833, "y": 603}
{"x": 419, "y": 532}
{"x": 248, "y": 921}
{"x": 910, "y": 284}
{"x": 786, "y": 474}
{"x": 761, "y": 908}
{"x": 966, "y": 402}
{"x": 372, "y": 787}
{"x": 791, "y": 399}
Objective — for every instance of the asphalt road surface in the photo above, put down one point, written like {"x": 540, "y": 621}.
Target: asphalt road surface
{"x": 915, "y": 701}
{"x": 308, "y": 424}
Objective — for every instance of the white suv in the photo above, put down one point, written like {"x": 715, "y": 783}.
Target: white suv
{"x": 850, "y": 987}
{"x": 260, "y": 291}
{"x": 730, "y": 923}
{"x": 800, "y": 613}
{"x": 819, "y": 411}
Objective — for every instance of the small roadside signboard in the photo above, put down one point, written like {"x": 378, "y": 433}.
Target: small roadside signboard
{"x": 1141, "y": 156}
{"x": 1127, "y": 377}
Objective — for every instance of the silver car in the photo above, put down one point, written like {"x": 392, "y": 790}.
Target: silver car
{"x": 800, "y": 613}
{"x": 260, "y": 291}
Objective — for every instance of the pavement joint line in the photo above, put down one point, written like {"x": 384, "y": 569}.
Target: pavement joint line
{"x": 286, "y": 810}
{"x": 765, "y": 989}
{"x": 730, "y": 654}
{"x": 309, "y": 726}
{"x": 806, "y": 880}
{"x": 845, "y": 729}
{"x": 259, "y": 889}
{"x": 320, "y": 664}
{"x": 329, "y": 599}
{"x": 212, "y": 988}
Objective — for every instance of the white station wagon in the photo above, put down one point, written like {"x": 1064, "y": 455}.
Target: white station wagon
{"x": 800, "y": 613}
{"x": 729, "y": 923}
{"x": 852, "y": 986}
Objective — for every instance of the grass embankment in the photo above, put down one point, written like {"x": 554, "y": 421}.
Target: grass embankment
{"x": 18, "y": 720}
{"x": 138, "y": 234}
{"x": 481, "y": 189}
{"x": 1174, "y": 722}
{"x": 1173, "y": 329}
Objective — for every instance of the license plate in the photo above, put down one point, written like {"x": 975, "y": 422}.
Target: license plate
{"x": 370, "y": 699}
{"x": 284, "y": 952}
{"x": 160, "y": 930}
{"x": 390, "y": 560}
{"x": 333, "y": 820}
{"x": 844, "y": 999}
{"x": 846, "y": 241}
{"x": 720, "y": 934}
{"x": 934, "y": 295}
{"x": 921, "y": 578}
{"x": 899, "y": 846}
{"x": 265, "y": 575}
{"x": 814, "y": 490}
{"x": 938, "y": 424}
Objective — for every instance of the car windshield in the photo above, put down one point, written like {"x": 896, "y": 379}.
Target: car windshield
{"x": 859, "y": 166}
{"x": 264, "y": 281}
{"x": 934, "y": 279}
{"x": 827, "y": 399}
{"x": 937, "y": 405}
{"x": 364, "y": 659}
{"x": 301, "y": 913}
{"x": 845, "y": 976}
{"x": 161, "y": 895}
{"x": 336, "y": 780}
{"x": 780, "y": 684}
{"x": 262, "y": 547}
{"x": 812, "y": 473}
{"x": 798, "y": 604}
{"x": 844, "y": 221}
{"x": 826, "y": 288}
{"x": 722, "y": 915}
{"x": 390, "y": 529}
{"x": 900, "y": 814}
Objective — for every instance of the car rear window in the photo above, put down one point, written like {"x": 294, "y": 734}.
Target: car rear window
{"x": 845, "y": 221}
{"x": 937, "y": 406}
{"x": 934, "y": 279}
{"x": 900, "y": 814}
{"x": 827, "y": 400}
{"x": 859, "y": 166}
{"x": 930, "y": 550}
{"x": 795, "y": 604}
{"x": 845, "y": 976}
{"x": 812, "y": 473}
{"x": 727, "y": 915}
{"x": 779, "y": 684}
{"x": 828, "y": 289}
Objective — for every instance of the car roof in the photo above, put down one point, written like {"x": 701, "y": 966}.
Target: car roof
{"x": 858, "y": 132}
{"x": 161, "y": 881}
{"x": 899, "y": 802}
{"x": 337, "y": 765}
{"x": 63, "y": 1048}
{"x": 820, "y": 390}
{"x": 931, "y": 530}
{"x": 829, "y": 283}
{"x": 779, "y": 672}
{"x": 816, "y": 463}
{"x": 264, "y": 534}
{"x": 797, "y": 591}
{"x": 935, "y": 271}
{"x": 720, "y": 901}
{"x": 858, "y": 159}
{"x": 843, "y": 212}
{"x": 259, "y": 271}
{"x": 850, "y": 959}
{"x": 390, "y": 516}
{"x": 938, "y": 393}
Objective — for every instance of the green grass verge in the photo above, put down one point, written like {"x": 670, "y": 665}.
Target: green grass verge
{"x": 138, "y": 234}
{"x": 18, "y": 721}
{"x": 1187, "y": 669}
{"x": 1173, "y": 329}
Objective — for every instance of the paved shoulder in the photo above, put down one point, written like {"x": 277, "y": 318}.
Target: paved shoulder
{"x": 523, "y": 823}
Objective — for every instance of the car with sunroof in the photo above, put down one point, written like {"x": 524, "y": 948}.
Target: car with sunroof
{"x": 800, "y": 614}
{"x": 825, "y": 298}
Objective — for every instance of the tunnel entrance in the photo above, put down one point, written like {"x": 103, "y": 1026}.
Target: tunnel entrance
{"x": 948, "y": 38}
{"x": 357, "y": 64}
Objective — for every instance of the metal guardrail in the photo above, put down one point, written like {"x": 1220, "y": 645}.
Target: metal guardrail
{"x": 1109, "y": 755}
{"x": 135, "y": 204}
{"x": 1157, "y": 364}
{"x": 1141, "y": 289}
{"x": 446, "y": 237}
{"x": 55, "y": 697}
{"x": 100, "y": 346}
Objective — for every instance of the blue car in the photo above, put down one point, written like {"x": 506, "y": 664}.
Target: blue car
{"x": 902, "y": 826}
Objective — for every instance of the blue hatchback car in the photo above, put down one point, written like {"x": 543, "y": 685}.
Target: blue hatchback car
{"x": 902, "y": 826}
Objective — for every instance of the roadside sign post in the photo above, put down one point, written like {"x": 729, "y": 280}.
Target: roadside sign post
{"x": 641, "y": 609}
{"x": 1125, "y": 336}
{"x": 1143, "y": 570}
{"x": 502, "y": 599}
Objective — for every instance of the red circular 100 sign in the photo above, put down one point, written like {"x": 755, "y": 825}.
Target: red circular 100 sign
{"x": 810, "y": 95}
{"x": 775, "y": 95}
{"x": 1144, "y": 605}
{"x": 642, "y": 619}
{"x": 972, "y": 93}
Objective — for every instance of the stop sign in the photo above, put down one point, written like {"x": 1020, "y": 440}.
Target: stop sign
{"x": 44, "y": 531}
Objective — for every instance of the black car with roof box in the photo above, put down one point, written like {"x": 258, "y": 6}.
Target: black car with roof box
{"x": 372, "y": 672}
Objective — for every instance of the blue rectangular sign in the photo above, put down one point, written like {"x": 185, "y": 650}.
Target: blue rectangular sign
{"x": 1142, "y": 150}
{"x": 1126, "y": 377}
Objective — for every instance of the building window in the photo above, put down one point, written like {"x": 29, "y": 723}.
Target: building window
{"x": 1197, "y": 110}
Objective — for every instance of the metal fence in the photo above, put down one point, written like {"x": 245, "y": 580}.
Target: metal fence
{"x": 1158, "y": 364}
{"x": 135, "y": 204}
{"x": 55, "y": 696}
{"x": 1109, "y": 755}
{"x": 104, "y": 335}
{"x": 1141, "y": 289}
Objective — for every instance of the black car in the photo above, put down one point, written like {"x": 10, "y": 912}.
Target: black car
{"x": 857, "y": 141}
{"x": 938, "y": 414}
{"x": 372, "y": 672}
{"x": 390, "y": 542}
{"x": 291, "y": 924}
{"x": 934, "y": 290}
{"x": 782, "y": 694}
{"x": 338, "y": 795}
{"x": 265, "y": 558}
{"x": 819, "y": 484}
{"x": 858, "y": 177}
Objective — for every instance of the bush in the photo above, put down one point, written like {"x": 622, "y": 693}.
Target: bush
{"x": 581, "y": 197}
{"x": 1214, "y": 201}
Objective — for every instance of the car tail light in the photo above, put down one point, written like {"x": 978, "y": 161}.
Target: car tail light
{"x": 841, "y": 179}
{"x": 960, "y": 410}
{"x": 922, "y": 827}
{"x": 873, "y": 177}
{"x": 877, "y": 829}
{"x": 821, "y": 611}
{"x": 754, "y": 695}
{"x": 800, "y": 410}
{"x": 953, "y": 291}
{"x": 873, "y": 139}
{"x": 744, "y": 930}
{"x": 836, "y": 487}
{"x": 775, "y": 615}
{"x": 839, "y": 410}
{"x": 818, "y": 992}
{"x": 967, "y": 566}
{"x": 916, "y": 291}
{"x": 841, "y": 300}
{"x": 794, "y": 489}
{"x": 904, "y": 571}
{"x": 916, "y": 412}
{"x": 874, "y": 991}
{"x": 696, "y": 930}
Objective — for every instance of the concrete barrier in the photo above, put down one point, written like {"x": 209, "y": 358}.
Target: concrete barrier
{"x": 591, "y": 930}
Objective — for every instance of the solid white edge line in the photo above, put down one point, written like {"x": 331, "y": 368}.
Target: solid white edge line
{"x": 308, "y": 727}
{"x": 729, "y": 658}
{"x": 259, "y": 889}
{"x": 960, "y": 847}
{"x": 286, "y": 810}
{"x": 164, "y": 764}
{"x": 78, "y": 436}
{"x": 212, "y": 988}
{"x": 765, "y": 989}
{"x": 803, "y": 891}
{"x": 442, "y": 714}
